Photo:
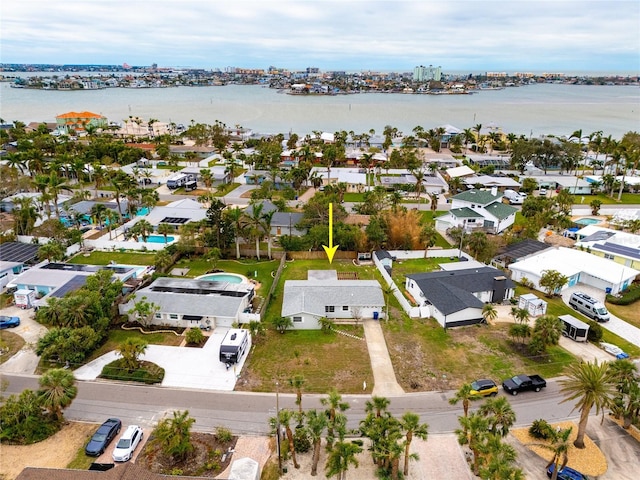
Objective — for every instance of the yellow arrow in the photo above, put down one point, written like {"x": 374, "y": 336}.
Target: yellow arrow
{"x": 331, "y": 250}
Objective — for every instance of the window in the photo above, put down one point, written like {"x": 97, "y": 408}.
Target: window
{"x": 471, "y": 220}
{"x": 297, "y": 319}
{"x": 345, "y": 308}
{"x": 173, "y": 316}
{"x": 329, "y": 309}
{"x": 158, "y": 315}
{"x": 608, "y": 256}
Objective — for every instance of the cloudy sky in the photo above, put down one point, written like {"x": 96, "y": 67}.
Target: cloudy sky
{"x": 459, "y": 35}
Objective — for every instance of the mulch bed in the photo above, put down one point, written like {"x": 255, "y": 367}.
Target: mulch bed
{"x": 209, "y": 459}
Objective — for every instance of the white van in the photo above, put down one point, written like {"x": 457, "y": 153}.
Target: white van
{"x": 589, "y": 306}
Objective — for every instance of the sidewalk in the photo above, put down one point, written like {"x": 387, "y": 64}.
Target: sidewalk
{"x": 385, "y": 383}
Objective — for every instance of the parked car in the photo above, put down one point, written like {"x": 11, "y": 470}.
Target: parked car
{"x": 484, "y": 388}
{"x": 103, "y": 437}
{"x": 521, "y": 383}
{"x": 614, "y": 350}
{"x": 8, "y": 322}
{"x": 566, "y": 473}
{"x": 542, "y": 192}
{"x": 127, "y": 443}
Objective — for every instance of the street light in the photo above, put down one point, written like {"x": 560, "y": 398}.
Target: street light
{"x": 278, "y": 431}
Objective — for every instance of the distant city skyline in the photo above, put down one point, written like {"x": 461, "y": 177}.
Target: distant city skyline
{"x": 353, "y": 35}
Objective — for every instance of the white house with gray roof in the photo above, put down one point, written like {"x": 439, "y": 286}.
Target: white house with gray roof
{"x": 188, "y": 303}
{"x": 324, "y": 295}
{"x": 478, "y": 209}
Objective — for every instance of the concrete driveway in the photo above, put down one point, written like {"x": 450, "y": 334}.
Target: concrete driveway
{"x": 24, "y": 361}
{"x": 184, "y": 367}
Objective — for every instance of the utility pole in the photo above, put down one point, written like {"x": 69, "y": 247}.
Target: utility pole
{"x": 278, "y": 431}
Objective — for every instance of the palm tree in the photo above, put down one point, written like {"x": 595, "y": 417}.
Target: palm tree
{"x": 489, "y": 312}
{"x": 25, "y": 216}
{"x": 465, "y": 396}
{"x": 57, "y": 390}
{"x": 387, "y": 291}
{"x": 624, "y": 374}
{"x": 591, "y": 385}
{"x": 142, "y": 228}
{"x": 473, "y": 433}
{"x": 429, "y": 236}
{"x": 340, "y": 458}
{"x": 111, "y": 217}
{"x": 57, "y": 185}
{"x": 559, "y": 445}
{"x": 267, "y": 218}
{"x": 335, "y": 407}
{"x": 130, "y": 350}
{"x": 165, "y": 229}
{"x": 377, "y": 405}
{"x": 174, "y": 435}
{"x": 500, "y": 414}
{"x": 316, "y": 423}
{"x": 51, "y": 251}
{"x": 497, "y": 460}
{"x": 297, "y": 382}
{"x": 285, "y": 416}
{"x": 411, "y": 425}
{"x": 239, "y": 226}
{"x": 255, "y": 224}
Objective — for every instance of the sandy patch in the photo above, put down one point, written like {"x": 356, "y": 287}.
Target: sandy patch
{"x": 589, "y": 460}
{"x": 54, "y": 452}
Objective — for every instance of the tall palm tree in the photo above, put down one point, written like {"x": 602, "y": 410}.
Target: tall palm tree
{"x": 56, "y": 186}
{"x": 297, "y": 382}
{"x": 473, "y": 433}
{"x": 239, "y": 226}
{"x": 254, "y": 221}
{"x": 25, "y": 216}
{"x": 500, "y": 414}
{"x": 142, "y": 228}
{"x": 165, "y": 229}
{"x": 335, "y": 407}
{"x": 465, "y": 396}
{"x": 591, "y": 385}
{"x": 285, "y": 416}
{"x": 411, "y": 425}
{"x": 57, "y": 390}
{"x": 267, "y": 218}
{"x": 429, "y": 236}
{"x": 498, "y": 459}
{"x": 316, "y": 423}
{"x": 340, "y": 458}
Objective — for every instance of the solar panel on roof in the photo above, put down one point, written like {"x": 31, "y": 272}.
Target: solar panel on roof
{"x": 18, "y": 252}
{"x": 74, "y": 284}
{"x": 174, "y": 220}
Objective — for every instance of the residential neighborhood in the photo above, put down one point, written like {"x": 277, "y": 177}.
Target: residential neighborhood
{"x": 197, "y": 240}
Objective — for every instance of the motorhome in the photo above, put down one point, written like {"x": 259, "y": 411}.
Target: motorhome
{"x": 178, "y": 180}
{"x": 589, "y": 306}
{"x": 233, "y": 346}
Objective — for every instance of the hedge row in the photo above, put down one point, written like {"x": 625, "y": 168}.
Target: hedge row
{"x": 627, "y": 298}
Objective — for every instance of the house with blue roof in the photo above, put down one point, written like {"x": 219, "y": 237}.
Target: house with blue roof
{"x": 478, "y": 210}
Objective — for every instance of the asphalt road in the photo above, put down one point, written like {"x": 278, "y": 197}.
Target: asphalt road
{"x": 248, "y": 413}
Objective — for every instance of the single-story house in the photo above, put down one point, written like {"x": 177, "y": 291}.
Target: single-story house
{"x": 185, "y": 302}
{"x": 19, "y": 252}
{"x": 175, "y": 213}
{"x": 478, "y": 209}
{"x": 574, "y": 185}
{"x": 51, "y": 279}
{"x": 324, "y": 295}
{"x": 457, "y": 297}
{"x": 8, "y": 204}
{"x": 490, "y": 181}
{"x": 500, "y": 162}
{"x": 354, "y": 178}
{"x": 578, "y": 266}
{"x": 127, "y": 471}
{"x": 431, "y": 183}
{"x": 282, "y": 223}
{"x": 258, "y": 177}
{"x": 218, "y": 172}
{"x": 9, "y": 271}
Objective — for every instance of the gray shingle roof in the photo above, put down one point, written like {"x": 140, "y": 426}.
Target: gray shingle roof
{"x": 452, "y": 291}
{"x": 310, "y": 296}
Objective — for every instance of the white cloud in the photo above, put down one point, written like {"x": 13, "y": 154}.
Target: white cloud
{"x": 562, "y": 34}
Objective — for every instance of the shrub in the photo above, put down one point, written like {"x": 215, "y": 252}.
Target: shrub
{"x": 223, "y": 434}
{"x": 626, "y": 298}
{"x": 194, "y": 336}
{"x": 594, "y": 335}
{"x": 301, "y": 441}
{"x": 541, "y": 429}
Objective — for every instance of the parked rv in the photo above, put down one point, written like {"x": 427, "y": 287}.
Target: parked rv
{"x": 589, "y": 306}
{"x": 178, "y": 180}
{"x": 573, "y": 328}
{"x": 513, "y": 197}
{"x": 233, "y": 346}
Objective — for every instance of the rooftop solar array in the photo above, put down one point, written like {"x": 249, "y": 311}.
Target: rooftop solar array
{"x": 74, "y": 284}
{"x": 18, "y": 252}
{"x": 620, "y": 249}
{"x": 71, "y": 267}
{"x": 201, "y": 291}
{"x": 174, "y": 220}
{"x": 498, "y": 162}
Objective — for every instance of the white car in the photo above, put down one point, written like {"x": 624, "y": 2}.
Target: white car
{"x": 613, "y": 350}
{"x": 127, "y": 443}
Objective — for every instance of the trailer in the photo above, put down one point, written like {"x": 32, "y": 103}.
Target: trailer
{"x": 233, "y": 346}
{"x": 24, "y": 298}
{"x": 178, "y": 180}
{"x": 573, "y": 328}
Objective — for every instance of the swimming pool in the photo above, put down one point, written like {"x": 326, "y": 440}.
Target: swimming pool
{"x": 588, "y": 221}
{"x": 224, "y": 277}
{"x": 157, "y": 239}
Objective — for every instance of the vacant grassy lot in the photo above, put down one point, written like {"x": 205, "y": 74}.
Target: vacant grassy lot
{"x": 325, "y": 360}
{"x": 416, "y": 265}
{"x": 124, "y": 258}
{"x": 426, "y": 357}
{"x": 10, "y": 343}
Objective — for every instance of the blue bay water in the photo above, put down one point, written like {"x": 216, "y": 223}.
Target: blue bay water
{"x": 530, "y": 110}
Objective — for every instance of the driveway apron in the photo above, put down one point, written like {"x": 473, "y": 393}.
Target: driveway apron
{"x": 385, "y": 384}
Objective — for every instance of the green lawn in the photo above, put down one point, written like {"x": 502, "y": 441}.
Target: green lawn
{"x": 353, "y": 197}
{"x": 123, "y": 258}
{"x": 117, "y": 336}
{"x": 415, "y": 265}
{"x": 224, "y": 190}
{"x": 627, "y": 199}
{"x": 324, "y": 360}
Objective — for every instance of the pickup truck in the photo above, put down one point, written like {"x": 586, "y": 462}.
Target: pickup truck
{"x": 520, "y": 383}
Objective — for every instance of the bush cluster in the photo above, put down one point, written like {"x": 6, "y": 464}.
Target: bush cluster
{"x": 541, "y": 429}
{"x": 632, "y": 295}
